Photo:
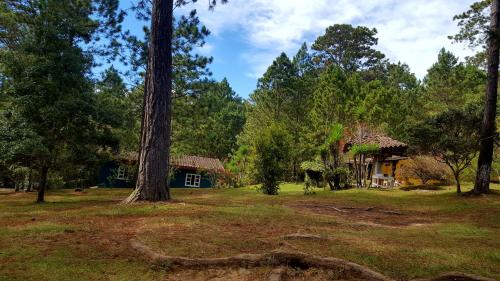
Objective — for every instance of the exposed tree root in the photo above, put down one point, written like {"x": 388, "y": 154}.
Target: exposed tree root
{"x": 278, "y": 274}
{"x": 336, "y": 209}
{"x": 273, "y": 258}
{"x": 283, "y": 259}
{"x": 456, "y": 276}
{"x": 301, "y": 236}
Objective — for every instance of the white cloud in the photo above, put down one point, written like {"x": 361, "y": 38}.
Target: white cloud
{"x": 410, "y": 31}
{"x": 206, "y": 49}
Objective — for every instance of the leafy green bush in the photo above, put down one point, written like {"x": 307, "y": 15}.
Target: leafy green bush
{"x": 314, "y": 173}
{"x": 272, "y": 152}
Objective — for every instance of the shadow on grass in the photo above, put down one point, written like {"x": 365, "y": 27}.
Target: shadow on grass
{"x": 422, "y": 187}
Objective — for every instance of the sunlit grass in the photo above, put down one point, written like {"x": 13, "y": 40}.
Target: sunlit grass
{"x": 86, "y": 236}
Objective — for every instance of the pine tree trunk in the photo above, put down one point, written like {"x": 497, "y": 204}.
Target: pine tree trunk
{"x": 482, "y": 184}
{"x": 152, "y": 178}
{"x": 43, "y": 184}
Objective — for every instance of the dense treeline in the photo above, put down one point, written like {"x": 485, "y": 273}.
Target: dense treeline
{"x": 344, "y": 81}
{"x": 59, "y": 121}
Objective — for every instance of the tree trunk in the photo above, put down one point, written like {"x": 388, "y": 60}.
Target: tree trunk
{"x": 356, "y": 176}
{"x": 457, "y": 181}
{"x": 154, "y": 156}
{"x": 482, "y": 184}
{"x": 43, "y": 184}
{"x": 30, "y": 181}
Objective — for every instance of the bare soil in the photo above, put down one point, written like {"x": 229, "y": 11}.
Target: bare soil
{"x": 367, "y": 216}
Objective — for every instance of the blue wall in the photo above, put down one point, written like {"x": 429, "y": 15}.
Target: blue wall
{"x": 108, "y": 170}
{"x": 106, "y": 174}
{"x": 179, "y": 179}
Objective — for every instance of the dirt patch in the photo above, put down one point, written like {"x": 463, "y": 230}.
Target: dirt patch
{"x": 457, "y": 276}
{"x": 258, "y": 274}
{"x": 369, "y": 216}
{"x": 218, "y": 274}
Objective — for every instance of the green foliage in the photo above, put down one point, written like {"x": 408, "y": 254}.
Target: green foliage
{"x": 335, "y": 100}
{"x": 47, "y": 51}
{"x": 450, "y": 84}
{"x": 207, "y": 124}
{"x": 272, "y": 153}
{"x": 314, "y": 166}
{"x": 336, "y": 134}
{"x": 308, "y": 185}
{"x": 364, "y": 149}
{"x": 283, "y": 96}
{"x": 348, "y": 47}
{"x": 473, "y": 24}
{"x": 188, "y": 67}
{"x": 451, "y": 136}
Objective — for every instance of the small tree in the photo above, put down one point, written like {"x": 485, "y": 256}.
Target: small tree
{"x": 272, "y": 151}
{"x": 452, "y": 137}
{"x": 331, "y": 153}
{"x": 360, "y": 153}
{"x": 424, "y": 168}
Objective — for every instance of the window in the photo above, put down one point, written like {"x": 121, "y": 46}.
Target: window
{"x": 193, "y": 180}
{"x": 124, "y": 173}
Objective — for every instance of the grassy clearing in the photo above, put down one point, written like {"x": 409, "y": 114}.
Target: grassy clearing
{"x": 403, "y": 234}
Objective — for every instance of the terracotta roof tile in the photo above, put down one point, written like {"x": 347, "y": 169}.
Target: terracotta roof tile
{"x": 385, "y": 143}
{"x": 198, "y": 163}
{"x": 382, "y": 141}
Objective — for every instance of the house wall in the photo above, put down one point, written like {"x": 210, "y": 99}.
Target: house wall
{"x": 107, "y": 174}
{"x": 179, "y": 179}
{"x": 107, "y": 178}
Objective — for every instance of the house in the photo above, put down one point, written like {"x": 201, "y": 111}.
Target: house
{"x": 195, "y": 171}
{"x": 186, "y": 172}
{"x": 381, "y": 166}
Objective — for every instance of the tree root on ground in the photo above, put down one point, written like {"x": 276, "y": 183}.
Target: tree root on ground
{"x": 281, "y": 258}
{"x": 302, "y": 236}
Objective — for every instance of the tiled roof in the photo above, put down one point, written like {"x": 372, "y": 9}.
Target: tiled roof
{"x": 386, "y": 144}
{"x": 382, "y": 141}
{"x": 196, "y": 162}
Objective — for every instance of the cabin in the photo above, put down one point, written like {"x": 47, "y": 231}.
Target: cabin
{"x": 186, "y": 172}
{"x": 381, "y": 166}
{"x": 195, "y": 171}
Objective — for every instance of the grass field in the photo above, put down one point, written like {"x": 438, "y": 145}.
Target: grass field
{"x": 403, "y": 234}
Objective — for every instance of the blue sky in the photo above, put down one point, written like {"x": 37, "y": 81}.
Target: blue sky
{"x": 248, "y": 34}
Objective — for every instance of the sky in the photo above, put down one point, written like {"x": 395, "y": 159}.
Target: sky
{"x": 247, "y": 35}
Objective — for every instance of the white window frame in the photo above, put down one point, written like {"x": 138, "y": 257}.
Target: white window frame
{"x": 192, "y": 180}
{"x": 122, "y": 173}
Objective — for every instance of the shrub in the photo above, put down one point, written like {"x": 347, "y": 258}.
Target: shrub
{"x": 228, "y": 179}
{"x": 272, "y": 152}
{"x": 314, "y": 171}
{"x": 424, "y": 168}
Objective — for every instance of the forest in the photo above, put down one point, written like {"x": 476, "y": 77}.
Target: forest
{"x": 57, "y": 132}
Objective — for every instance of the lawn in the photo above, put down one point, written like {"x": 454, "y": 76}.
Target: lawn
{"x": 402, "y": 234}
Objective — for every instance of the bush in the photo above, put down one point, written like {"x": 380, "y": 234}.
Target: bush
{"x": 272, "y": 153}
{"x": 314, "y": 171}
{"x": 424, "y": 168}
{"x": 228, "y": 180}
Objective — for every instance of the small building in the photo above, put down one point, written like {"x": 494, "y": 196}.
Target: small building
{"x": 195, "y": 171}
{"x": 186, "y": 172}
{"x": 382, "y": 166}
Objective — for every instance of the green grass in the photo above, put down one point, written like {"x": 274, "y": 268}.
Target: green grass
{"x": 86, "y": 236}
